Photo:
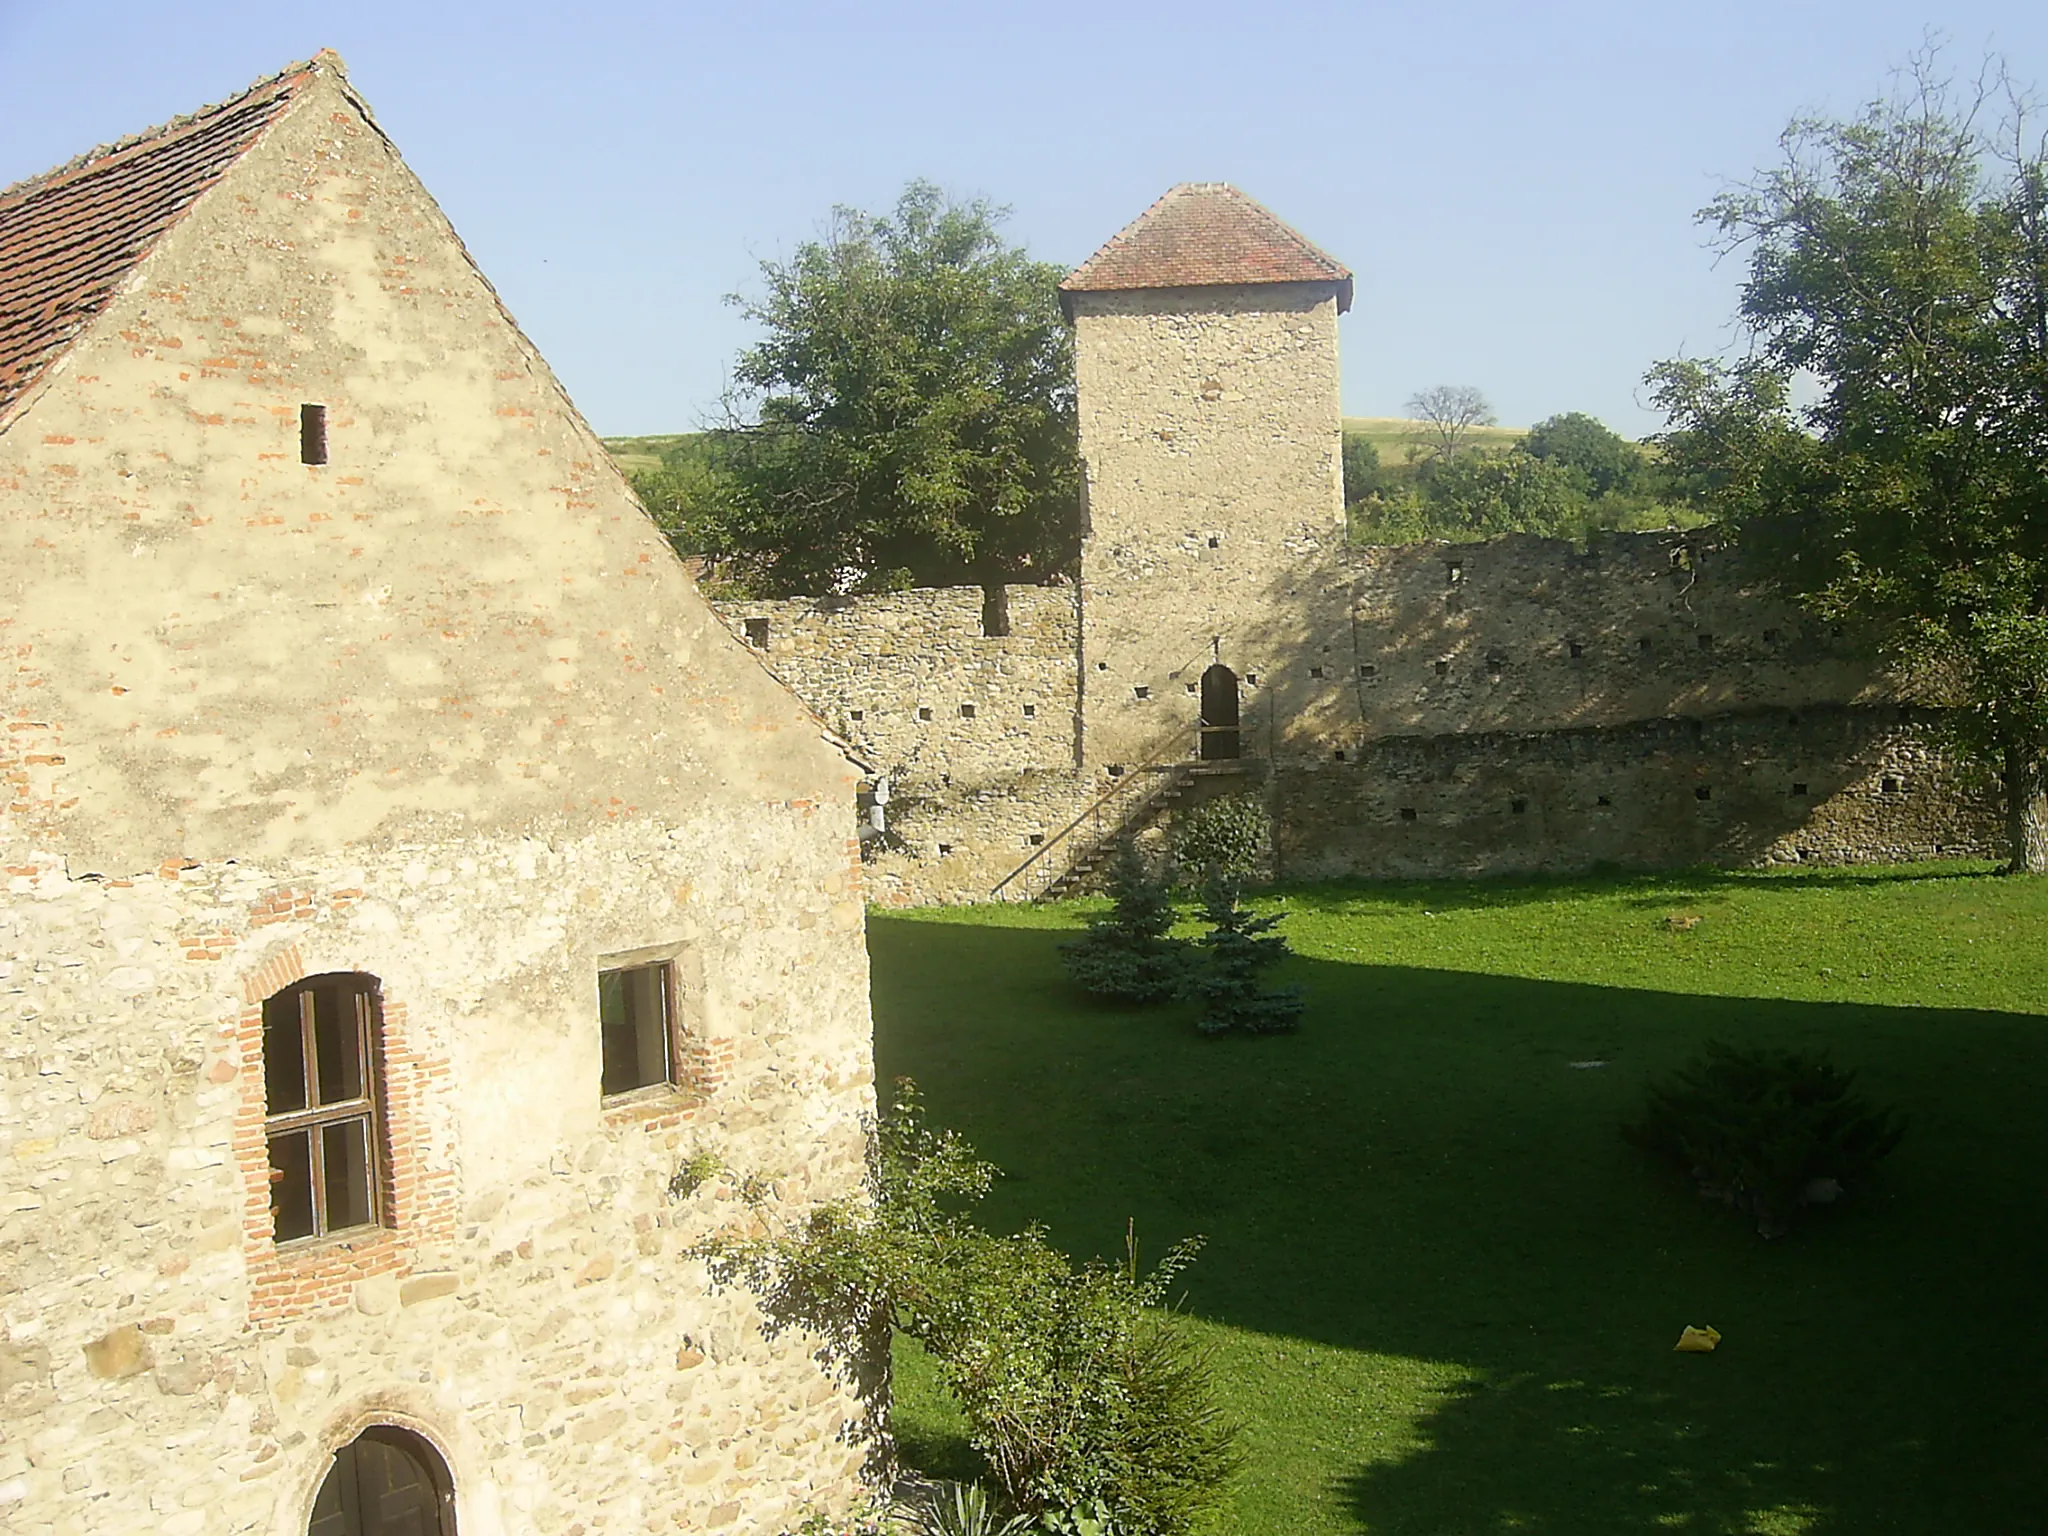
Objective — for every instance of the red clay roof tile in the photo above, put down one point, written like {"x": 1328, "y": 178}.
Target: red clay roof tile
{"x": 1205, "y": 234}
{"x": 69, "y": 237}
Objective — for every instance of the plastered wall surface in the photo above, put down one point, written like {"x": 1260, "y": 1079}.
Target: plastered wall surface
{"x": 446, "y": 711}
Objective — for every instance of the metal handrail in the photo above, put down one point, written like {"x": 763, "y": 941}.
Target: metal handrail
{"x": 1121, "y": 787}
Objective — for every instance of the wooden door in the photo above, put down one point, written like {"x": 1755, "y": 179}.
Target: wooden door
{"x": 384, "y": 1483}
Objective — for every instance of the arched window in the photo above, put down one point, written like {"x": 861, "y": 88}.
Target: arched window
{"x": 1219, "y": 714}
{"x": 321, "y": 1106}
{"x": 385, "y": 1482}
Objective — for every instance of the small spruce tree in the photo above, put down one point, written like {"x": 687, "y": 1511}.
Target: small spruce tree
{"x": 1240, "y": 945}
{"x": 1126, "y": 954}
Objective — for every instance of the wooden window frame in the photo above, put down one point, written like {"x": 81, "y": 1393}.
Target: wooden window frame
{"x": 312, "y": 1121}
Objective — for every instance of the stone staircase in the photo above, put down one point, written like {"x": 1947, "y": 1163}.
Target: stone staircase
{"x": 1069, "y": 861}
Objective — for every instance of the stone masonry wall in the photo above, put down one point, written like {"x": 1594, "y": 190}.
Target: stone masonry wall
{"x": 975, "y": 733}
{"x": 165, "y": 1367}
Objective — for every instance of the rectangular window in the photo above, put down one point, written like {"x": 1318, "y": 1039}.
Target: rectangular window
{"x": 312, "y": 434}
{"x": 757, "y": 633}
{"x": 634, "y": 1010}
{"x": 320, "y": 1106}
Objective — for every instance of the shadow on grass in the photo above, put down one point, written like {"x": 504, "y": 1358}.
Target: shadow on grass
{"x": 1423, "y": 1173}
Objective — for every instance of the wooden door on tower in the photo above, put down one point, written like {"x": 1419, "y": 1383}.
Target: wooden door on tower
{"x": 1219, "y": 714}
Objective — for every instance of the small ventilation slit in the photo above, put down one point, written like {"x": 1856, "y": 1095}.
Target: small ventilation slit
{"x": 312, "y": 434}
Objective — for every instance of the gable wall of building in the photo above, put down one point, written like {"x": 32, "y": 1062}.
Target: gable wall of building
{"x": 447, "y": 711}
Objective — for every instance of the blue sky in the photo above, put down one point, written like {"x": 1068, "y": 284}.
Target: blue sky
{"x": 1513, "y": 184}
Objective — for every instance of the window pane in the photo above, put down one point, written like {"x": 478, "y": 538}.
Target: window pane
{"x": 346, "y": 1149}
{"x": 284, "y": 1056}
{"x": 632, "y": 1008}
{"x": 291, "y": 1185}
{"x": 337, "y": 1044}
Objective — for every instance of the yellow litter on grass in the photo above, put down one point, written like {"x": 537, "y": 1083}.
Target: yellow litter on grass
{"x": 1698, "y": 1341}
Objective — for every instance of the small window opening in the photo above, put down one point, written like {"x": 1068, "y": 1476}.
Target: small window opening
{"x": 1034, "y": 839}
{"x": 1519, "y": 807}
{"x": 1368, "y": 669}
{"x": 320, "y": 1106}
{"x": 312, "y": 434}
{"x": 1443, "y": 669}
{"x": 1315, "y": 671}
{"x": 1891, "y": 786}
{"x": 1339, "y": 754}
{"x": 1407, "y": 813}
{"x": 1251, "y": 679}
{"x": 1643, "y": 645}
{"x": 1578, "y": 648}
{"x": 1141, "y": 691}
{"x": 1799, "y": 790}
{"x": 1604, "y": 800}
{"x": 1102, "y": 666}
{"x": 1030, "y": 711}
{"x": 757, "y": 634}
{"x": 1704, "y": 792}
{"x": 1116, "y": 770}
{"x": 924, "y": 711}
{"x": 944, "y": 849}
{"x": 1706, "y": 642}
{"x": 966, "y": 711}
{"x": 1214, "y": 542}
{"x": 1192, "y": 687}
{"x": 1454, "y": 572}
{"x": 633, "y": 1013}
{"x": 1496, "y": 662}
{"x": 856, "y": 715}
{"x": 1770, "y": 637}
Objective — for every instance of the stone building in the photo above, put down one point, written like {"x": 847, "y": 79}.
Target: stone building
{"x": 1512, "y": 706}
{"x": 407, "y": 876}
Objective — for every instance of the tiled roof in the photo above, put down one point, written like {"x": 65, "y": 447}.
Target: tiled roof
{"x": 1206, "y": 234}
{"x": 70, "y": 236}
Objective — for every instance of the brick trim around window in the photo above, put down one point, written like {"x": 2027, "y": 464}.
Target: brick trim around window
{"x": 418, "y": 1200}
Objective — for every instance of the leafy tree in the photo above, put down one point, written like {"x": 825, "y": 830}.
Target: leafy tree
{"x": 1448, "y": 413}
{"x": 1362, "y": 476}
{"x": 907, "y": 419}
{"x": 1080, "y": 1392}
{"x": 1127, "y": 954}
{"x": 1511, "y": 492}
{"x": 1899, "y": 262}
{"x": 1606, "y": 461}
{"x": 1240, "y": 946}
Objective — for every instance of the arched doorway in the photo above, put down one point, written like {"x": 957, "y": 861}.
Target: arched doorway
{"x": 385, "y": 1482}
{"x": 1219, "y": 714}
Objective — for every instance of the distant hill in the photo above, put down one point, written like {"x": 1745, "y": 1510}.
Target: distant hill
{"x": 634, "y": 453}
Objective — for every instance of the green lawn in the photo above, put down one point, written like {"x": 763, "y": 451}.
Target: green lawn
{"x": 1442, "y": 1292}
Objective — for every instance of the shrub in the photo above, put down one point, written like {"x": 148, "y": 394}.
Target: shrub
{"x": 1766, "y": 1131}
{"x": 957, "y": 1509}
{"x": 1233, "y": 834}
{"x": 1083, "y": 1397}
{"x": 1127, "y": 954}
{"x": 1240, "y": 945}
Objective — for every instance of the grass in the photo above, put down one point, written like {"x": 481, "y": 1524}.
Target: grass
{"x": 636, "y": 453}
{"x": 1442, "y": 1292}
{"x": 1393, "y": 435}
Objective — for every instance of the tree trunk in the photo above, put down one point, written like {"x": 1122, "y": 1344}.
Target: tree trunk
{"x": 2026, "y": 813}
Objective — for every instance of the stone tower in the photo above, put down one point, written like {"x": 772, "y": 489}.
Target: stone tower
{"x": 1214, "y": 614}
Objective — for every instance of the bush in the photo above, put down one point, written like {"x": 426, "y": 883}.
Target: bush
{"x": 1240, "y": 946}
{"x": 1085, "y": 1400}
{"x": 1766, "y": 1131}
{"x": 1127, "y": 954}
{"x": 1233, "y": 834}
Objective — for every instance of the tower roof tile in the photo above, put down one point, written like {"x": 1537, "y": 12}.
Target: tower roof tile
{"x": 1205, "y": 234}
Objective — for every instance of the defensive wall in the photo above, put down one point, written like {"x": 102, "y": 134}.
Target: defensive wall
{"x": 1523, "y": 704}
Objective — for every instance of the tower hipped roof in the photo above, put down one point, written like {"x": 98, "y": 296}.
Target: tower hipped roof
{"x": 1206, "y": 234}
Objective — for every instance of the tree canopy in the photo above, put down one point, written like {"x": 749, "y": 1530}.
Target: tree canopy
{"x": 1898, "y": 270}
{"x": 907, "y": 419}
